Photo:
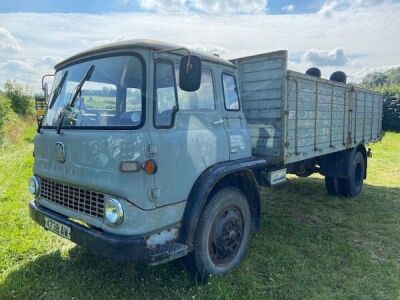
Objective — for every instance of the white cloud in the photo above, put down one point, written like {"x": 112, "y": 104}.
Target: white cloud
{"x": 332, "y": 6}
{"x": 368, "y": 34}
{"x": 206, "y": 6}
{"x": 8, "y": 42}
{"x": 288, "y": 8}
{"x": 230, "y": 6}
{"x": 210, "y": 49}
{"x": 163, "y": 5}
{"x": 48, "y": 61}
{"x": 28, "y": 72}
{"x": 334, "y": 57}
{"x": 105, "y": 41}
{"x": 18, "y": 66}
{"x": 21, "y": 71}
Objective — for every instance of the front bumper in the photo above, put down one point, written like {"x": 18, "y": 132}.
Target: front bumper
{"x": 105, "y": 244}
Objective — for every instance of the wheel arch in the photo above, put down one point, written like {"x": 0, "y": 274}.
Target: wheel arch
{"x": 361, "y": 148}
{"x": 337, "y": 164}
{"x": 238, "y": 174}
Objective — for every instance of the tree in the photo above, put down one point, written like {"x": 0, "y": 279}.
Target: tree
{"x": 391, "y": 106}
{"x": 387, "y": 83}
{"x": 391, "y": 76}
{"x": 21, "y": 99}
{"x": 375, "y": 79}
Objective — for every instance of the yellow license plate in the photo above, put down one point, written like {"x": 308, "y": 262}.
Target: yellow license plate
{"x": 57, "y": 228}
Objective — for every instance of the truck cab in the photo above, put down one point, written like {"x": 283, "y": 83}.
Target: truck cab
{"x": 122, "y": 152}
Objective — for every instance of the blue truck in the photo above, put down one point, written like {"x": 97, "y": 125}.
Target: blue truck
{"x": 150, "y": 151}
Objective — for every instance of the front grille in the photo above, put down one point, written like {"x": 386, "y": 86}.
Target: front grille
{"x": 81, "y": 200}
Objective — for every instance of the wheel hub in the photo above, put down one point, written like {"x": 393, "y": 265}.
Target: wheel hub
{"x": 226, "y": 236}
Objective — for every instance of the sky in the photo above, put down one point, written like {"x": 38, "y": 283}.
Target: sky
{"x": 355, "y": 36}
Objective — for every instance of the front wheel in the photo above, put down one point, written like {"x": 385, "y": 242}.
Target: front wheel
{"x": 222, "y": 233}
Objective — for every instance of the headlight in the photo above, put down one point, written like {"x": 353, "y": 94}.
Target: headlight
{"x": 114, "y": 213}
{"x": 33, "y": 185}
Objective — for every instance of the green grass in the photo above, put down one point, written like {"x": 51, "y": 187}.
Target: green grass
{"x": 100, "y": 102}
{"x": 312, "y": 245}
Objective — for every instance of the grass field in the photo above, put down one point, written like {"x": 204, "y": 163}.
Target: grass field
{"x": 312, "y": 246}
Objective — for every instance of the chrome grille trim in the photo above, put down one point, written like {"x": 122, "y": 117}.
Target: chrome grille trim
{"x": 80, "y": 200}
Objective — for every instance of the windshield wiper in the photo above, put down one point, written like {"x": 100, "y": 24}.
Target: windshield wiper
{"x": 80, "y": 85}
{"x": 58, "y": 90}
{"x": 77, "y": 91}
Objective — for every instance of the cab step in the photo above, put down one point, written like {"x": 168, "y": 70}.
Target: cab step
{"x": 166, "y": 253}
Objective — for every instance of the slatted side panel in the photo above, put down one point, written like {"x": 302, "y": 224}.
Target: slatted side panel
{"x": 262, "y": 81}
{"x": 324, "y": 117}
{"x": 367, "y": 121}
{"x": 317, "y": 118}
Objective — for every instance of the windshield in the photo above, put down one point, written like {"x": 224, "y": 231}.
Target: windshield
{"x": 112, "y": 96}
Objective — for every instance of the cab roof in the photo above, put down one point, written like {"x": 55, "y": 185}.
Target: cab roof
{"x": 140, "y": 43}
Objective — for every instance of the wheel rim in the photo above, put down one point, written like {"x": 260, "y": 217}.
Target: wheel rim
{"x": 226, "y": 236}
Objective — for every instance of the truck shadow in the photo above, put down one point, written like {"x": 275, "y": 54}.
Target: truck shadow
{"x": 78, "y": 273}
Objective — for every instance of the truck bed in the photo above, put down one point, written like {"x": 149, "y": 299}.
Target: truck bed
{"x": 292, "y": 116}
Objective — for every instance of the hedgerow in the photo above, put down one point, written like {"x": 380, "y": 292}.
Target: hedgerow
{"x": 5, "y": 111}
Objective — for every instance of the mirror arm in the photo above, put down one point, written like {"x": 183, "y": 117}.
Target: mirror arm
{"x": 189, "y": 64}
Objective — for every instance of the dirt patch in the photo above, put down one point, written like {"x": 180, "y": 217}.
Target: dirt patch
{"x": 377, "y": 251}
{"x": 307, "y": 219}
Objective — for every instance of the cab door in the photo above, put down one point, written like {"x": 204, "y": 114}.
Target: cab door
{"x": 234, "y": 120}
{"x": 188, "y": 133}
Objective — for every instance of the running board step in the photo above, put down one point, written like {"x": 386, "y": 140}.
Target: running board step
{"x": 166, "y": 253}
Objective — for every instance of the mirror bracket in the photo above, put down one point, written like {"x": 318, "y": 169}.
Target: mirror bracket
{"x": 44, "y": 77}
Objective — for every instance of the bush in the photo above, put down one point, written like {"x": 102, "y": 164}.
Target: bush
{"x": 391, "y": 106}
{"x": 387, "y": 83}
{"x": 21, "y": 99}
{"x": 5, "y": 110}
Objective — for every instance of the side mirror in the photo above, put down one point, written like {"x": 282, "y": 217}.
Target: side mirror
{"x": 45, "y": 88}
{"x": 45, "y": 91}
{"x": 190, "y": 73}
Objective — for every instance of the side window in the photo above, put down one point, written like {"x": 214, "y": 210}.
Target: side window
{"x": 203, "y": 98}
{"x": 230, "y": 92}
{"x": 165, "y": 95}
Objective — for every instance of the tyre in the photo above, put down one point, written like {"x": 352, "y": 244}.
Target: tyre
{"x": 351, "y": 186}
{"x": 332, "y": 185}
{"x": 222, "y": 234}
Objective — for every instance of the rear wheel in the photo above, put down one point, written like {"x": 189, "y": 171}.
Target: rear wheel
{"x": 351, "y": 186}
{"x": 222, "y": 233}
{"x": 332, "y": 185}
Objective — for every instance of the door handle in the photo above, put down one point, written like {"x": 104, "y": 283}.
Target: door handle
{"x": 219, "y": 122}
